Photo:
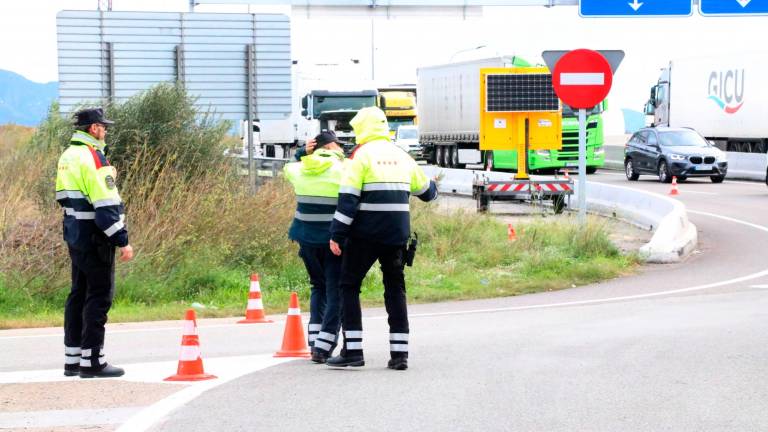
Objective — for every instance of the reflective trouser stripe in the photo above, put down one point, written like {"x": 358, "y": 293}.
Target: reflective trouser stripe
{"x": 354, "y": 345}
{"x": 322, "y": 345}
{"x": 71, "y": 359}
{"x": 255, "y": 304}
{"x": 398, "y": 347}
{"x": 398, "y": 337}
{"x": 330, "y": 337}
{"x": 312, "y": 337}
{"x": 353, "y": 334}
{"x": 73, "y": 351}
{"x": 315, "y": 327}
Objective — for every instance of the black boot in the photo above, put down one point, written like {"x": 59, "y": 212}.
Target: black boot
{"x": 107, "y": 371}
{"x": 398, "y": 363}
{"x": 71, "y": 369}
{"x": 319, "y": 356}
{"x": 344, "y": 360}
{"x": 93, "y": 365}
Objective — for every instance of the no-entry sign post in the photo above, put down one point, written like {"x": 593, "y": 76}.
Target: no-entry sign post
{"x": 582, "y": 79}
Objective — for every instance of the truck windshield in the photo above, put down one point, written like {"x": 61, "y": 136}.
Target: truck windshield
{"x": 687, "y": 138}
{"x": 336, "y": 103}
{"x": 570, "y": 112}
{"x": 396, "y": 122}
{"x": 407, "y": 133}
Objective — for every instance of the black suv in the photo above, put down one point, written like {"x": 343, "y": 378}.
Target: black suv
{"x": 667, "y": 152}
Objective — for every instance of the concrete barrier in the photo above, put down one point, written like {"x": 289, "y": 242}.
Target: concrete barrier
{"x": 674, "y": 235}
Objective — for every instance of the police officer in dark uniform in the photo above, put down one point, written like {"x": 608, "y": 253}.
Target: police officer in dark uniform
{"x": 94, "y": 225}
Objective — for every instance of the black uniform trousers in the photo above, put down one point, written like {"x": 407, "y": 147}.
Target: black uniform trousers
{"x": 324, "y": 269}
{"x": 93, "y": 288}
{"x": 358, "y": 256}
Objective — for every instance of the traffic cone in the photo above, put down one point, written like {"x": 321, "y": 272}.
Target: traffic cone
{"x": 294, "y": 342}
{"x": 674, "y": 190}
{"x": 511, "y": 235}
{"x": 565, "y": 174}
{"x": 254, "y": 312}
{"x": 190, "y": 363}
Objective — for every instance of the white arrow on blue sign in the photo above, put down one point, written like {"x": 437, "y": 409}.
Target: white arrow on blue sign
{"x": 641, "y": 8}
{"x": 733, "y": 7}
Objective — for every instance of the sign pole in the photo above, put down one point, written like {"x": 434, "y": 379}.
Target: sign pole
{"x": 582, "y": 165}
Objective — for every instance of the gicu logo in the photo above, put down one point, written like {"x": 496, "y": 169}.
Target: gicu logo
{"x": 726, "y": 89}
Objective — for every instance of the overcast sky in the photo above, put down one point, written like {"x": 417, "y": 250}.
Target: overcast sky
{"x": 28, "y": 40}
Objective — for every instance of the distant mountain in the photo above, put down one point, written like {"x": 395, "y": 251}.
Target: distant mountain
{"x": 22, "y": 101}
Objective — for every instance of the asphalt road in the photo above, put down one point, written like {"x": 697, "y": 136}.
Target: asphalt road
{"x": 675, "y": 347}
{"x": 691, "y": 360}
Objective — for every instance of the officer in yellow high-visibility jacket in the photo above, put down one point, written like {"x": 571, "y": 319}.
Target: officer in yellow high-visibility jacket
{"x": 94, "y": 225}
{"x": 316, "y": 179}
{"x": 372, "y": 222}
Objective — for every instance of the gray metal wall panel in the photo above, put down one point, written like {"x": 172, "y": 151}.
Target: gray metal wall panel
{"x": 144, "y": 52}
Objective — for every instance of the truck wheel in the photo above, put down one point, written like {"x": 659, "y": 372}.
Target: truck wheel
{"x": 446, "y": 157}
{"x": 439, "y": 156}
{"x": 455, "y": 157}
{"x": 489, "y": 161}
{"x": 591, "y": 170}
{"x": 664, "y": 175}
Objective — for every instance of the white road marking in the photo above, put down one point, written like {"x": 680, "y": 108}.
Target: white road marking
{"x": 141, "y": 330}
{"x": 227, "y": 369}
{"x": 759, "y": 286}
{"x": 620, "y": 174}
{"x": 59, "y": 418}
{"x": 748, "y": 277}
{"x": 687, "y": 191}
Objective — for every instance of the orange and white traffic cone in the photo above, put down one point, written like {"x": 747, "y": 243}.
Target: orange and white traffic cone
{"x": 511, "y": 234}
{"x": 254, "y": 312}
{"x": 565, "y": 174}
{"x": 294, "y": 342}
{"x": 674, "y": 190}
{"x": 190, "y": 363}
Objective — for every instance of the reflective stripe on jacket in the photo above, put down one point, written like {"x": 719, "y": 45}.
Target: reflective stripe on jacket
{"x": 86, "y": 190}
{"x": 374, "y": 195}
{"x": 316, "y": 182}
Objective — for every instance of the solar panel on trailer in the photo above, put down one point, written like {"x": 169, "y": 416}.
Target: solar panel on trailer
{"x": 520, "y": 93}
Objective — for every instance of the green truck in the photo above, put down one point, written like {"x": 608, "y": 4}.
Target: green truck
{"x": 449, "y": 123}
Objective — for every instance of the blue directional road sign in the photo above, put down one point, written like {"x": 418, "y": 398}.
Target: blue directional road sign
{"x": 630, "y": 8}
{"x": 733, "y": 7}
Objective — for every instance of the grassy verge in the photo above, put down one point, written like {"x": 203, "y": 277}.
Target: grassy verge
{"x": 198, "y": 233}
{"x": 463, "y": 256}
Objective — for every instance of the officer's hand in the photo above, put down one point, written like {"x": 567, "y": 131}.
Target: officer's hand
{"x": 310, "y": 145}
{"x": 126, "y": 253}
{"x": 335, "y": 248}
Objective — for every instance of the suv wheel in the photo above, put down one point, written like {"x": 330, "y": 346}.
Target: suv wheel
{"x": 664, "y": 175}
{"x": 629, "y": 170}
{"x": 717, "y": 179}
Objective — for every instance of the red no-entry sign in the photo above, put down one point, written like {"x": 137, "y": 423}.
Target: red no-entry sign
{"x": 582, "y": 78}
